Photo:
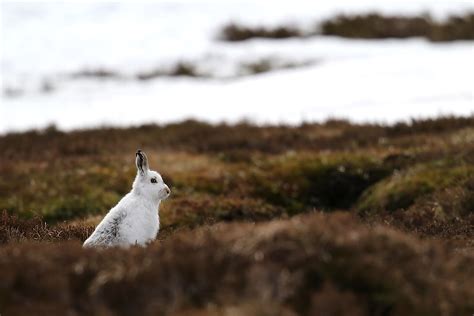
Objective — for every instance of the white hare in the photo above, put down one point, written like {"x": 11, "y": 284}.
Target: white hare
{"x": 135, "y": 219}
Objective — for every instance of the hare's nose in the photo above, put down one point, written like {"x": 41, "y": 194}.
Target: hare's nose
{"x": 168, "y": 191}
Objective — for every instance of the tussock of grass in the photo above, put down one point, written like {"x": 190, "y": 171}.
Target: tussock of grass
{"x": 298, "y": 266}
{"x": 403, "y": 188}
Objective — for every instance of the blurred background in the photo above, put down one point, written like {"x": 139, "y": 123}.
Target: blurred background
{"x": 92, "y": 63}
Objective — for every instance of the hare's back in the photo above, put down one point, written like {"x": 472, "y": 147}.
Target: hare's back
{"x": 109, "y": 232}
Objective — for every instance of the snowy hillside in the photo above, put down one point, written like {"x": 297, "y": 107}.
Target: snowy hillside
{"x": 363, "y": 80}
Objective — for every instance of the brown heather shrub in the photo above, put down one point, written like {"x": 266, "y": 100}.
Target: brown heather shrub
{"x": 430, "y": 126}
{"x": 312, "y": 264}
{"x": 457, "y": 27}
{"x": 257, "y": 172}
{"x": 455, "y": 232}
{"x": 447, "y": 214}
{"x": 307, "y": 265}
{"x": 377, "y": 26}
{"x": 180, "y": 69}
{"x": 268, "y": 64}
{"x": 450, "y": 202}
{"x": 368, "y": 26}
{"x": 100, "y": 73}
{"x": 193, "y": 136}
{"x": 14, "y": 229}
{"x": 235, "y": 33}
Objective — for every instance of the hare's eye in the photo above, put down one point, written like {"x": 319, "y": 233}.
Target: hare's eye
{"x": 153, "y": 180}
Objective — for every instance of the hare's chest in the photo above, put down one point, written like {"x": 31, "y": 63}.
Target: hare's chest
{"x": 141, "y": 227}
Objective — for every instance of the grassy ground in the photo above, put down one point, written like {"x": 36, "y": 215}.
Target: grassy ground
{"x": 270, "y": 220}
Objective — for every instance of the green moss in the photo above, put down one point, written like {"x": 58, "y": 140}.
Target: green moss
{"x": 327, "y": 182}
{"x": 58, "y": 193}
{"x": 402, "y": 189}
{"x": 79, "y": 206}
{"x": 198, "y": 209}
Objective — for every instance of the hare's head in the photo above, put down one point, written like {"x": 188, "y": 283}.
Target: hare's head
{"x": 149, "y": 183}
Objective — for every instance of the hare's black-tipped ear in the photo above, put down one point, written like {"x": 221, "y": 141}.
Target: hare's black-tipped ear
{"x": 142, "y": 162}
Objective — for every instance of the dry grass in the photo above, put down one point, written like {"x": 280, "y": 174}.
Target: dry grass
{"x": 14, "y": 229}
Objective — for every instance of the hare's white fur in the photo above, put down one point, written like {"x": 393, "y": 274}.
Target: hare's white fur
{"x": 135, "y": 219}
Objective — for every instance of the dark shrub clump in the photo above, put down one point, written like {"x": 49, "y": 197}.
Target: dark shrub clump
{"x": 368, "y": 26}
{"x": 377, "y": 26}
{"x": 234, "y": 32}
